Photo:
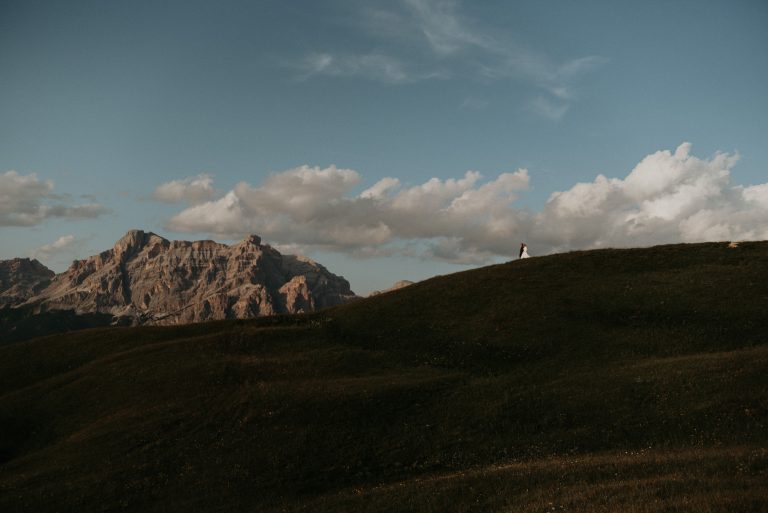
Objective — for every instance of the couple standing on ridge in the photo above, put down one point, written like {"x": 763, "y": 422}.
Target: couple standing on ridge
{"x": 524, "y": 250}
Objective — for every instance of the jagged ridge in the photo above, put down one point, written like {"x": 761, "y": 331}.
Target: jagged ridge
{"x": 152, "y": 280}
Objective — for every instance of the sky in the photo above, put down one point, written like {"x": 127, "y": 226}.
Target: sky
{"x": 388, "y": 140}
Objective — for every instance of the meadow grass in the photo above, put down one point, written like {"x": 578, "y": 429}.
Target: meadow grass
{"x": 613, "y": 380}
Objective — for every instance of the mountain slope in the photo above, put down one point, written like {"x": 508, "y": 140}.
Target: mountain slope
{"x": 629, "y": 380}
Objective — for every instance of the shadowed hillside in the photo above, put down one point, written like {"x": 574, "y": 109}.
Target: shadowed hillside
{"x": 612, "y": 380}
{"x": 22, "y": 323}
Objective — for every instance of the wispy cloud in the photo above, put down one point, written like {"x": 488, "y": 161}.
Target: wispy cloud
{"x": 443, "y": 28}
{"x": 434, "y": 35}
{"x": 550, "y": 108}
{"x": 377, "y": 67}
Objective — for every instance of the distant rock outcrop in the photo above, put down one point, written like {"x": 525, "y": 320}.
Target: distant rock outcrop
{"x": 399, "y": 285}
{"x": 22, "y": 278}
{"x": 151, "y": 280}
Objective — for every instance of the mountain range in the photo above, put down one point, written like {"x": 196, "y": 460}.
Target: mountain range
{"x": 147, "y": 279}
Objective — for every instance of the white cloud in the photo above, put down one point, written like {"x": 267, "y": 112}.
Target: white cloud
{"x": 668, "y": 197}
{"x": 222, "y": 217}
{"x": 757, "y": 194}
{"x": 193, "y": 190}
{"x": 62, "y": 244}
{"x": 381, "y": 188}
{"x": 312, "y": 207}
{"x": 27, "y": 201}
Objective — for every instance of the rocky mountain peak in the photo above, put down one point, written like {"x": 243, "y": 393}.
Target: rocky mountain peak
{"x": 253, "y": 240}
{"x": 22, "y": 278}
{"x": 133, "y": 242}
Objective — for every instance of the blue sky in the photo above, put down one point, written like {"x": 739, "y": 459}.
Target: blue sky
{"x": 386, "y": 139}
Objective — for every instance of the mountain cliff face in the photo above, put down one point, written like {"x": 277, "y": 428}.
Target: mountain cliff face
{"x": 22, "y": 278}
{"x": 151, "y": 280}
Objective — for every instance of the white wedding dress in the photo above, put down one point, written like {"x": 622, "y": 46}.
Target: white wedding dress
{"x": 525, "y": 253}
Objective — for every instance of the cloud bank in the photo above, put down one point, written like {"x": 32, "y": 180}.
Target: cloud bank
{"x": 668, "y": 197}
{"x": 27, "y": 201}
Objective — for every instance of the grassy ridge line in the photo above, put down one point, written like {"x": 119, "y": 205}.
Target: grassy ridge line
{"x": 584, "y": 305}
{"x": 457, "y": 374}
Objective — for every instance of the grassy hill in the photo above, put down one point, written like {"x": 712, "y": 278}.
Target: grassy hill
{"x": 22, "y": 323}
{"x": 613, "y": 380}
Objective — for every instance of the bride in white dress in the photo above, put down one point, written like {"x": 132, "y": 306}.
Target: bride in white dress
{"x": 524, "y": 251}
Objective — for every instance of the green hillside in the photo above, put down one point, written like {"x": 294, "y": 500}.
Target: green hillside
{"x": 612, "y": 380}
